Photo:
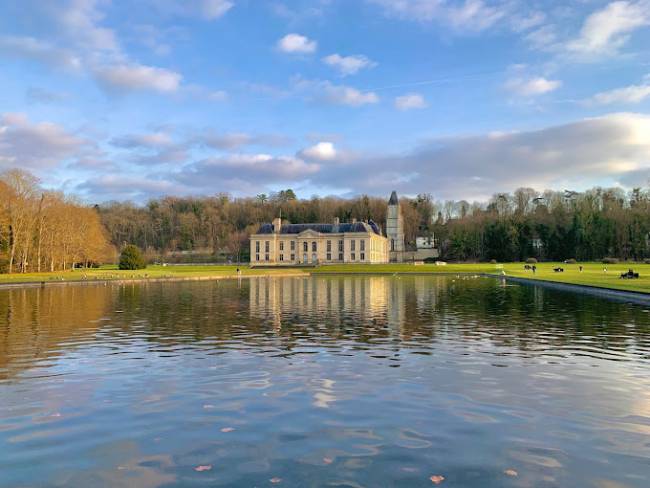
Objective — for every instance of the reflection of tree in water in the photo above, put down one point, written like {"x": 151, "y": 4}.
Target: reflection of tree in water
{"x": 39, "y": 323}
{"x": 405, "y": 312}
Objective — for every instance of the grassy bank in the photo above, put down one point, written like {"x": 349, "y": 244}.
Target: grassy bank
{"x": 593, "y": 274}
{"x": 111, "y": 273}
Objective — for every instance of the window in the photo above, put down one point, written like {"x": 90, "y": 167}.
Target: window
{"x": 281, "y": 257}
{"x": 257, "y": 246}
{"x": 293, "y": 245}
{"x": 281, "y": 245}
{"x": 353, "y": 257}
{"x": 293, "y": 257}
{"x": 266, "y": 257}
{"x": 305, "y": 247}
{"x": 257, "y": 257}
{"x": 329, "y": 246}
{"x": 362, "y": 245}
{"x": 341, "y": 247}
{"x": 353, "y": 245}
{"x": 267, "y": 245}
{"x": 362, "y": 256}
{"x": 340, "y": 256}
{"x": 329, "y": 256}
{"x": 392, "y": 244}
{"x": 313, "y": 246}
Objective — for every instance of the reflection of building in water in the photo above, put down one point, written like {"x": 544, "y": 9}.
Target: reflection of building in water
{"x": 273, "y": 297}
{"x": 377, "y": 299}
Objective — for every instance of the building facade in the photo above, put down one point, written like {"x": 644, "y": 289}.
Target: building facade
{"x": 279, "y": 244}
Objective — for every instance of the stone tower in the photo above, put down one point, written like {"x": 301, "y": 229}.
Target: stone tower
{"x": 395, "y": 229}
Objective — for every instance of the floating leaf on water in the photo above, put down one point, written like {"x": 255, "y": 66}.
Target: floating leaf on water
{"x": 203, "y": 467}
{"x": 511, "y": 472}
{"x": 328, "y": 460}
{"x": 436, "y": 479}
{"x": 276, "y": 480}
{"x": 227, "y": 429}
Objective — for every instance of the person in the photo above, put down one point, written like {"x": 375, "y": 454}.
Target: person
{"x": 238, "y": 271}
{"x": 534, "y": 268}
{"x": 581, "y": 268}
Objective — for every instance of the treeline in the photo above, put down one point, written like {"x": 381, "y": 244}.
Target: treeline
{"x": 549, "y": 226}
{"x": 220, "y": 226}
{"x": 46, "y": 231}
{"x": 546, "y": 225}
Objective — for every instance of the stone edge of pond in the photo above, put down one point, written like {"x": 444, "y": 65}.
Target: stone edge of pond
{"x": 638, "y": 297}
{"x": 116, "y": 281}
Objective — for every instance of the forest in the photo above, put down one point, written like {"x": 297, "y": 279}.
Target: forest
{"x": 43, "y": 230}
{"x": 547, "y": 225}
{"x": 46, "y": 231}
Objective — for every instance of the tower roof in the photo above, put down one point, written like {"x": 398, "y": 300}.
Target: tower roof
{"x": 393, "y": 199}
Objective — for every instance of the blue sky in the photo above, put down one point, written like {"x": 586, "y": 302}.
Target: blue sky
{"x": 461, "y": 99}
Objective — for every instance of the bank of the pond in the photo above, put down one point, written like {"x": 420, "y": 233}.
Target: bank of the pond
{"x": 598, "y": 275}
{"x": 587, "y": 275}
{"x": 150, "y": 274}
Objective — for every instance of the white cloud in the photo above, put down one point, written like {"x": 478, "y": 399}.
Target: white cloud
{"x": 204, "y": 9}
{"x": 150, "y": 140}
{"x": 349, "y": 65}
{"x": 37, "y": 50}
{"x": 472, "y": 15}
{"x": 31, "y": 145}
{"x": 296, "y": 43}
{"x": 213, "y": 9}
{"x": 322, "y": 151}
{"x": 258, "y": 169}
{"x": 328, "y": 92}
{"x": 607, "y": 30}
{"x": 79, "y": 22}
{"x": 138, "y": 77}
{"x": 596, "y": 151}
{"x": 410, "y": 101}
{"x": 530, "y": 87}
{"x": 628, "y": 94}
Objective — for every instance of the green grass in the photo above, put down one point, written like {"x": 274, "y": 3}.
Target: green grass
{"x": 152, "y": 272}
{"x": 592, "y": 274}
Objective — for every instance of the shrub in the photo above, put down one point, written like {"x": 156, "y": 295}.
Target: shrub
{"x": 645, "y": 261}
{"x": 610, "y": 260}
{"x": 531, "y": 261}
{"x": 493, "y": 261}
{"x": 131, "y": 258}
{"x": 571, "y": 261}
{"x": 4, "y": 265}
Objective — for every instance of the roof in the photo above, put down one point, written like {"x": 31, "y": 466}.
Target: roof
{"x": 370, "y": 227}
{"x": 393, "y": 199}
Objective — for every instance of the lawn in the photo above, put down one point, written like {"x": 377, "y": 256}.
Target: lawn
{"x": 593, "y": 274}
{"x": 152, "y": 272}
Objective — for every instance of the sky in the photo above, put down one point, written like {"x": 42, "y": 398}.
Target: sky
{"x": 132, "y": 100}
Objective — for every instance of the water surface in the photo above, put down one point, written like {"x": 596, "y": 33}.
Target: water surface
{"x": 343, "y": 381}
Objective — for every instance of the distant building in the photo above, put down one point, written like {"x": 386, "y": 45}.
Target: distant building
{"x": 425, "y": 245}
{"x": 395, "y": 229}
{"x": 279, "y": 244}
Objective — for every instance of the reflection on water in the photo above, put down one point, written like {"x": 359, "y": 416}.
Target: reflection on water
{"x": 343, "y": 381}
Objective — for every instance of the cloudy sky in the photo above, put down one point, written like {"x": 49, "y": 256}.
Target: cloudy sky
{"x": 458, "y": 98}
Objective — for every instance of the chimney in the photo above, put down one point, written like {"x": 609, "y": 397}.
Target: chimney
{"x": 277, "y": 225}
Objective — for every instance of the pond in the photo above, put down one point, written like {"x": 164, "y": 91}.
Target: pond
{"x": 347, "y": 381}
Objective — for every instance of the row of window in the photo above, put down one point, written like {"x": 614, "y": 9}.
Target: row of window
{"x": 353, "y": 257}
{"x": 314, "y": 246}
